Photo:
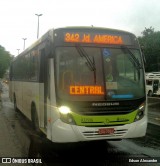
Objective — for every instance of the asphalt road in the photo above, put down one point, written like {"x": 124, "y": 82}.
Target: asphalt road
{"x": 154, "y": 110}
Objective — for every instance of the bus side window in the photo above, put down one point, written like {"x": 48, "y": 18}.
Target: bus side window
{"x": 48, "y": 78}
{"x": 149, "y": 82}
{"x": 34, "y": 65}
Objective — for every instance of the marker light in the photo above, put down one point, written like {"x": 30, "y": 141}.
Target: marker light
{"x": 64, "y": 110}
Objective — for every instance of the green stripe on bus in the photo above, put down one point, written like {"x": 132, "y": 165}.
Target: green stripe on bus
{"x": 82, "y": 120}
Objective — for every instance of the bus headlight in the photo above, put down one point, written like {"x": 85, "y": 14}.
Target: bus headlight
{"x": 65, "y": 115}
{"x": 64, "y": 110}
{"x": 140, "y": 113}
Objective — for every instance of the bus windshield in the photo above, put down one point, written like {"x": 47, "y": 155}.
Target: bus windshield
{"x": 98, "y": 73}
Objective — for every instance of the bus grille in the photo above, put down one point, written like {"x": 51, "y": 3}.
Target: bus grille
{"x": 105, "y": 111}
{"x": 95, "y": 134}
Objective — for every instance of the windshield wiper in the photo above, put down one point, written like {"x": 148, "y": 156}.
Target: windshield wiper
{"x": 132, "y": 58}
{"x": 90, "y": 63}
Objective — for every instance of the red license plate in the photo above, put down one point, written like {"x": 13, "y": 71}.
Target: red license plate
{"x": 106, "y": 131}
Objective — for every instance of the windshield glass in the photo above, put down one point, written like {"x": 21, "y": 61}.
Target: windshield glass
{"x": 87, "y": 73}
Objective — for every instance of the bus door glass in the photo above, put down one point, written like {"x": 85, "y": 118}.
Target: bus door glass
{"x": 155, "y": 86}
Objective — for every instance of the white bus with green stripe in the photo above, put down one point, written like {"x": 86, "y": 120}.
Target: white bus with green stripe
{"x": 82, "y": 84}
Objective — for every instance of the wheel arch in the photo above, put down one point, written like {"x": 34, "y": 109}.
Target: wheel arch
{"x": 34, "y": 115}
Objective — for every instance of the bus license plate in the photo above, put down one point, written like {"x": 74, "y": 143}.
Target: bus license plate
{"x": 106, "y": 131}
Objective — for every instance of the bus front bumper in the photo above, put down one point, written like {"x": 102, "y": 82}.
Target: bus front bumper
{"x": 62, "y": 132}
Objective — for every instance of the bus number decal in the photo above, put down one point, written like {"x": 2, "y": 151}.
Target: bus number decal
{"x": 74, "y": 37}
{"x": 86, "y": 120}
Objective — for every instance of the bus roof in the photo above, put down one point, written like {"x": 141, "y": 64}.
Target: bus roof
{"x": 153, "y": 75}
{"x": 76, "y": 28}
{"x": 90, "y": 28}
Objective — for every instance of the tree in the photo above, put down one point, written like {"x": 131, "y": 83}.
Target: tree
{"x": 5, "y": 59}
{"x": 151, "y": 48}
{"x": 148, "y": 31}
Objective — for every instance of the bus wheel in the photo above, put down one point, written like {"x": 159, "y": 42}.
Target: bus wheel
{"x": 15, "y": 105}
{"x": 35, "y": 121}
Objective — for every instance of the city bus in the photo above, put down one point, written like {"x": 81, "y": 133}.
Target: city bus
{"x": 82, "y": 84}
{"x": 153, "y": 84}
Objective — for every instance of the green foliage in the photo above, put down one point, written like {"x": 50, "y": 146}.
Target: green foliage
{"x": 151, "y": 48}
{"x": 5, "y": 59}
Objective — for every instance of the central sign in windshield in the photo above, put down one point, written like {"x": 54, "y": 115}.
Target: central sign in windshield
{"x": 86, "y": 90}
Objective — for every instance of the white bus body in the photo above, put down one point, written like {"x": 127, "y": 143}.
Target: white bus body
{"x": 153, "y": 83}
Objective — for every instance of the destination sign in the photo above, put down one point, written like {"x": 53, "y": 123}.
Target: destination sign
{"x": 86, "y": 90}
{"x": 93, "y": 38}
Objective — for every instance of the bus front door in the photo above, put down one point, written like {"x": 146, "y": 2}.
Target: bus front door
{"x": 155, "y": 86}
{"x": 51, "y": 97}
